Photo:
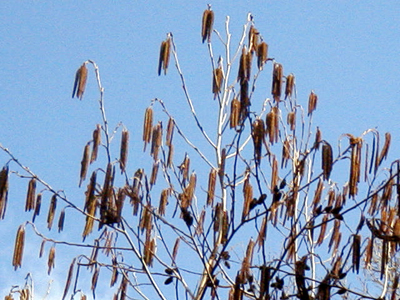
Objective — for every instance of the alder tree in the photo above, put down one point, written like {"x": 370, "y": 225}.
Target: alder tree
{"x": 255, "y": 209}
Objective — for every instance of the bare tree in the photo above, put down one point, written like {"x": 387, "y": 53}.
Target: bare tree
{"x": 262, "y": 208}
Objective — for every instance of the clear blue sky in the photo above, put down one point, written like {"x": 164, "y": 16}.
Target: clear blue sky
{"x": 346, "y": 51}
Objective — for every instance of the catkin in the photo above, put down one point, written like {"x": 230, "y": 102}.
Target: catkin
{"x": 289, "y": 86}
{"x": 207, "y": 25}
{"x": 258, "y": 134}
{"x": 147, "y": 126}
{"x": 234, "y": 117}
{"x": 277, "y": 82}
{"x": 51, "y": 259}
{"x": 80, "y": 82}
{"x": 124, "y": 150}
{"x": 3, "y": 191}
{"x": 30, "y": 197}
{"x": 170, "y": 132}
{"x": 312, "y": 102}
{"x": 19, "y": 247}
{"x": 165, "y": 50}
{"x": 96, "y": 143}
{"x": 327, "y": 160}
{"x": 218, "y": 77}
{"x": 52, "y": 210}
{"x": 262, "y": 54}
{"x": 211, "y": 187}
{"x": 84, "y": 163}
{"x": 156, "y": 140}
{"x": 253, "y": 39}
{"x": 69, "y": 278}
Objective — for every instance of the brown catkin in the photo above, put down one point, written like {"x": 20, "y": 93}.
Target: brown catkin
{"x": 327, "y": 160}
{"x": 170, "y": 155}
{"x": 96, "y": 143}
{"x": 170, "y": 132}
{"x": 51, "y": 259}
{"x": 189, "y": 190}
{"x": 163, "y": 201}
{"x": 277, "y": 82}
{"x": 234, "y": 117}
{"x": 272, "y": 125}
{"x": 147, "y": 126}
{"x": 291, "y": 120}
{"x": 258, "y": 134}
{"x": 124, "y": 150}
{"x": 165, "y": 50}
{"x": 3, "y": 191}
{"x": 31, "y": 194}
{"x": 253, "y": 39}
{"x": 211, "y": 187}
{"x": 154, "y": 172}
{"x": 69, "y": 278}
{"x": 312, "y": 102}
{"x": 289, "y": 86}
{"x": 61, "y": 220}
{"x": 84, "y": 163}
{"x": 356, "y": 252}
{"x": 80, "y": 82}
{"x": 248, "y": 197}
{"x": 156, "y": 140}
{"x": 19, "y": 247}
{"x": 52, "y": 210}
{"x": 38, "y": 204}
{"x": 95, "y": 278}
{"x": 262, "y": 54}
{"x": 175, "y": 249}
{"x": 385, "y": 149}
{"x": 207, "y": 25}
{"x": 218, "y": 77}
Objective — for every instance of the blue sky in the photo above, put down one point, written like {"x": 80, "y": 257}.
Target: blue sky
{"x": 347, "y": 52}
